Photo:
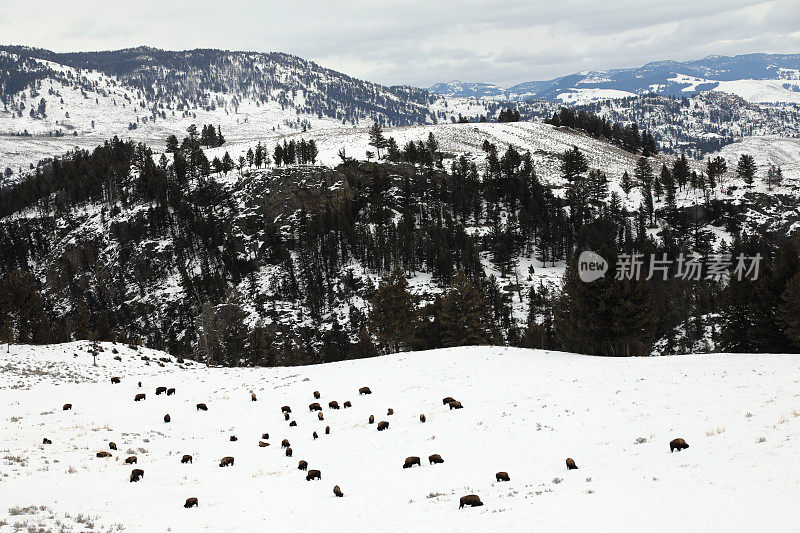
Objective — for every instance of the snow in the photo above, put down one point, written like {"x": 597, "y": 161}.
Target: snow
{"x": 524, "y": 412}
{"x": 583, "y": 96}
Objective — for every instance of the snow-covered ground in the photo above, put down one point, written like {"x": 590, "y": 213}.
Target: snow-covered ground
{"x": 524, "y": 412}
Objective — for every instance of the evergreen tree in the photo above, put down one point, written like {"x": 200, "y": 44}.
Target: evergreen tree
{"x": 746, "y": 169}
{"x": 393, "y": 317}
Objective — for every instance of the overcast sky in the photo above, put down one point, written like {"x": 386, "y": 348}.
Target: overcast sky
{"x": 421, "y": 42}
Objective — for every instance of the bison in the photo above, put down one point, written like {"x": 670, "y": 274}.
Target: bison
{"x": 171, "y": 391}
{"x": 138, "y": 472}
{"x": 253, "y": 397}
{"x": 313, "y": 474}
{"x": 383, "y": 425}
{"x": 233, "y": 438}
{"x": 139, "y": 397}
{"x": 472, "y": 500}
{"x": 286, "y": 409}
{"x": 338, "y": 491}
{"x": 46, "y": 441}
{"x": 226, "y": 461}
{"x": 333, "y": 405}
{"x": 288, "y": 452}
{"x": 371, "y": 419}
{"x": 364, "y": 390}
{"x": 286, "y": 416}
{"x": 132, "y": 460}
{"x": 161, "y": 390}
{"x": 262, "y": 444}
{"x": 316, "y": 395}
{"x": 315, "y": 435}
{"x": 265, "y": 436}
{"x": 390, "y": 412}
{"x": 67, "y": 407}
{"x": 320, "y": 415}
{"x": 422, "y": 418}
{"x": 293, "y": 423}
{"x": 167, "y": 418}
{"x": 202, "y": 407}
{"x": 186, "y": 459}
{"x": 103, "y": 454}
{"x": 455, "y": 405}
{"x": 347, "y": 404}
{"x": 285, "y": 443}
{"x": 327, "y": 430}
{"x": 571, "y": 464}
{"x": 115, "y": 380}
{"x": 302, "y": 465}
{"x": 447, "y": 400}
{"x": 502, "y": 476}
{"x": 134, "y": 478}
{"x": 112, "y": 445}
{"x": 435, "y": 459}
{"x": 314, "y": 407}
{"x": 411, "y": 461}
{"x": 140, "y": 384}
{"x": 677, "y": 444}
{"x": 190, "y": 502}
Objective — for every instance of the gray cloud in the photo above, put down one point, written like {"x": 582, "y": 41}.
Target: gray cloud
{"x": 420, "y": 42}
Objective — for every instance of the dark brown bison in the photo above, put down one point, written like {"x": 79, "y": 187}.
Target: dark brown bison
{"x": 170, "y": 391}
{"x": 371, "y": 419}
{"x": 103, "y": 454}
{"x": 132, "y": 460}
{"x": 190, "y": 502}
{"x": 347, "y": 404}
{"x": 364, "y": 390}
{"x": 316, "y": 395}
{"x": 314, "y": 407}
{"x": 435, "y": 459}
{"x": 571, "y": 464}
{"x": 411, "y": 461}
{"x": 502, "y": 476}
{"x": 327, "y": 430}
{"x": 315, "y": 435}
{"x": 186, "y": 459}
{"x": 677, "y": 444}
{"x": 293, "y": 423}
{"x": 46, "y": 441}
{"x": 253, "y": 397}
{"x": 262, "y": 444}
{"x": 161, "y": 390}
{"x": 447, "y": 400}
{"x": 115, "y": 380}
{"x": 320, "y": 415}
{"x": 286, "y": 409}
{"x": 67, "y": 407}
{"x": 233, "y": 438}
{"x": 313, "y": 474}
{"x": 333, "y": 405}
{"x": 139, "y": 397}
{"x": 286, "y": 416}
{"x": 472, "y": 500}
{"x": 226, "y": 461}
{"x": 138, "y": 472}
{"x": 383, "y": 425}
{"x": 422, "y": 418}
{"x": 167, "y": 418}
{"x": 288, "y": 452}
{"x": 134, "y": 478}
{"x": 390, "y": 412}
{"x": 140, "y": 384}
{"x": 285, "y": 443}
{"x": 112, "y": 445}
{"x": 338, "y": 491}
{"x": 455, "y": 405}
{"x": 302, "y": 465}
{"x": 265, "y": 436}
{"x": 202, "y": 407}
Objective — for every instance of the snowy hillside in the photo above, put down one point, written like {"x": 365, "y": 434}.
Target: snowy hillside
{"x": 524, "y": 412}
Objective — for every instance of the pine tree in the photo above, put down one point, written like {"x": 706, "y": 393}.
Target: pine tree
{"x": 464, "y": 317}
{"x": 774, "y": 176}
{"x": 376, "y": 138}
{"x": 393, "y": 317}
{"x": 626, "y": 183}
{"x": 746, "y": 169}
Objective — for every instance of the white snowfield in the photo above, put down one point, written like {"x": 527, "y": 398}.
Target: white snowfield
{"x": 525, "y": 412}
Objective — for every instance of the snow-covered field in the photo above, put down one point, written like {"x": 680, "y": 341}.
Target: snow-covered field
{"x": 524, "y": 412}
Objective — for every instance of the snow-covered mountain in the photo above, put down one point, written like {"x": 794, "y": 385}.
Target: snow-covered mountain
{"x": 524, "y": 412}
{"x": 754, "y": 77}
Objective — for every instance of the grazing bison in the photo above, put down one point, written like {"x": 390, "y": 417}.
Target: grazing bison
{"x": 226, "y": 461}
{"x": 502, "y": 476}
{"x": 132, "y": 460}
{"x": 112, "y": 445}
{"x": 293, "y": 423}
{"x": 67, "y": 407}
{"x": 455, "y": 405}
{"x": 286, "y": 416}
{"x": 371, "y": 419}
{"x": 316, "y": 395}
{"x": 161, "y": 390}
{"x": 327, "y": 430}
{"x": 364, "y": 390}
{"x": 472, "y": 500}
{"x": 202, "y": 407}
{"x": 677, "y": 444}
{"x": 447, "y": 400}
{"x": 140, "y": 384}
{"x": 253, "y": 397}
{"x": 115, "y": 380}
{"x": 347, "y": 404}
{"x": 134, "y": 478}
{"x": 46, "y": 441}
{"x": 314, "y": 407}
{"x": 103, "y": 454}
{"x": 139, "y": 397}
{"x": 383, "y": 425}
{"x": 390, "y": 412}
{"x": 137, "y": 472}
{"x": 167, "y": 418}
{"x": 320, "y": 416}
{"x": 338, "y": 491}
{"x": 285, "y": 443}
{"x": 435, "y": 459}
{"x": 265, "y": 436}
{"x": 286, "y": 409}
{"x": 422, "y": 418}
{"x": 302, "y": 465}
{"x": 233, "y": 438}
{"x": 333, "y": 405}
{"x": 313, "y": 474}
{"x": 411, "y": 461}
{"x": 262, "y": 444}
{"x": 186, "y": 459}
{"x": 288, "y": 452}
{"x": 571, "y": 464}
{"x": 170, "y": 391}
{"x": 190, "y": 502}
{"x": 315, "y": 435}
